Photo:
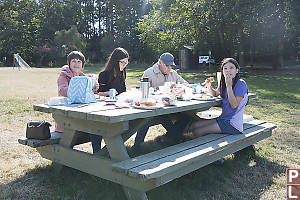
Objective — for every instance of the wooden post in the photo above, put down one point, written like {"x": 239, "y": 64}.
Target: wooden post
{"x": 117, "y": 151}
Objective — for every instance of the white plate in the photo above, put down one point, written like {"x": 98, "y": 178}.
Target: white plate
{"x": 203, "y": 98}
{"x": 149, "y": 107}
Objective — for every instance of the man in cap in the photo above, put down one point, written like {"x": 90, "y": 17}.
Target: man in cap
{"x": 158, "y": 74}
{"x": 162, "y": 72}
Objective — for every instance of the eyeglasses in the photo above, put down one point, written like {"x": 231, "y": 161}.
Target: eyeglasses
{"x": 124, "y": 62}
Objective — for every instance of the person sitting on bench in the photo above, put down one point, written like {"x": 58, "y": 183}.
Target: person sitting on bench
{"x": 234, "y": 93}
{"x": 160, "y": 73}
{"x": 76, "y": 61}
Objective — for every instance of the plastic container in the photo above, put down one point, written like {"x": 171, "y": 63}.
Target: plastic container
{"x": 55, "y": 101}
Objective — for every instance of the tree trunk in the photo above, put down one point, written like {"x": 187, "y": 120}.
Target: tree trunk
{"x": 278, "y": 58}
{"x": 240, "y": 49}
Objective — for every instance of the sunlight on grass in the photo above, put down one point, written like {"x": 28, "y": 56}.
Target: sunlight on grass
{"x": 277, "y": 101}
{"x": 14, "y": 106}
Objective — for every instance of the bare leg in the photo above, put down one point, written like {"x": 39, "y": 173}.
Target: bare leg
{"x": 206, "y": 127}
{"x": 200, "y": 123}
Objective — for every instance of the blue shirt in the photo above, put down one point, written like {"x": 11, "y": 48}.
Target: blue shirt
{"x": 235, "y": 116}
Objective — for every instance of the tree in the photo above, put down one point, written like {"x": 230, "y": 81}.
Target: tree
{"x": 18, "y": 28}
{"x": 247, "y": 30}
{"x": 69, "y": 40}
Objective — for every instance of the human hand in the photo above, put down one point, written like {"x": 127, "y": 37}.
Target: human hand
{"x": 208, "y": 81}
{"x": 228, "y": 80}
{"x": 96, "y": 86}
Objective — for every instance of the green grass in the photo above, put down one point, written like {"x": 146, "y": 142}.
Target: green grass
{"x": 242, "y": 177}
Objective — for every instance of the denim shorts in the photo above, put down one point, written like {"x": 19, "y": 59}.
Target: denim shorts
{"x": 226, "y": 127}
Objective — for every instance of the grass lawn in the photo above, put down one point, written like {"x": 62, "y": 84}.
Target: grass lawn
{"x": 25, "y": 175}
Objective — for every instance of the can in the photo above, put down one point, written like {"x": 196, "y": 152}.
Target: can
{"x": 112, "y": 93}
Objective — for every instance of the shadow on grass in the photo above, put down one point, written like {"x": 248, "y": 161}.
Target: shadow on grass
{"x": 242, "y": 176}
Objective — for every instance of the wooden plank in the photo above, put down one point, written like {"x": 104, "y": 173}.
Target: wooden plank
{"x": 159, "y": 154}
{"x": 176, "y": 152}
{"x": 252, "y": 123}
{"x": 150, "y": 157}
{"x": 210, "y": 158}
{"x": 183, "y": 159}
{"x": 130, "y": 113}
{"x": 97, "y": 112}
{"x": 117, "y": 151}
{"x": 68, "y": 138}
{"x": 95, "y": 165}
{"x": 94, "y": 127}
{"x": 55, "y": 137}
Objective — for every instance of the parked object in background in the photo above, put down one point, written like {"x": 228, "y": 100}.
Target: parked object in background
{"x": 206, "y": 60}
{"x": 19, "y": 62}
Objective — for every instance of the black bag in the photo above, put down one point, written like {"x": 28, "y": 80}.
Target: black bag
{"x": 38, "y": 130}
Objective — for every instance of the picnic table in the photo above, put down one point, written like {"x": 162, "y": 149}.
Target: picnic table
{"x": 116, "y": 126}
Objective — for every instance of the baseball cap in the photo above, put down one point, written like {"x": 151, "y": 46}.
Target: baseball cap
{"x": 167, "y": 58}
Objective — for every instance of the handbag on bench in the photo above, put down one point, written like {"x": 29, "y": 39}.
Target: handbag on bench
{"x": 38, "y": 130}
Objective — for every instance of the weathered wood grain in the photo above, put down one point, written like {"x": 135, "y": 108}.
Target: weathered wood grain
{"x": 156, "y": 164}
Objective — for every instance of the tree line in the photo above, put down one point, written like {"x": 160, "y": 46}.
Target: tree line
{"x": 253, "y": 31}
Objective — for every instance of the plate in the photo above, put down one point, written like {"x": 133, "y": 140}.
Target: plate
{"x": 148, "y": 107}
{"x": 203, "y": 98}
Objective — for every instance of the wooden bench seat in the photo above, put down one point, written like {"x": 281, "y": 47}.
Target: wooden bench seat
{"x": 172, "y": 162}
{"x": 55, "y": 137}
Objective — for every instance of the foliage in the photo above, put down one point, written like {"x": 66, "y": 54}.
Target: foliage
{"x": 69, "y": 40}
{"x": 264, "y": 31}
{"x": 18, "y": 22}
{"x": 247, "y": 30}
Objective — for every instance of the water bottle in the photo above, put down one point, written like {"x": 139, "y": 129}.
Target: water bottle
{"x": 197, "y": 89}
{"x": 145, "y": 85}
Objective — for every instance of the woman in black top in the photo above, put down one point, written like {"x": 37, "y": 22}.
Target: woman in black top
{"x": 114, "y": 73}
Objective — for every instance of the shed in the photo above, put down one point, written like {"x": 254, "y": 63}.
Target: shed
{"x": 185, "y": 57}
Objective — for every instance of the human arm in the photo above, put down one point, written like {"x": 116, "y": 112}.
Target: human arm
{"x": 233, "y": 99}
{"x": 95, "y": 83}
{"x": 179, "y": 79}
{"x": 63, "y": 84}
{"x": 103, "y": 86}
{"x": 212, "y": 91}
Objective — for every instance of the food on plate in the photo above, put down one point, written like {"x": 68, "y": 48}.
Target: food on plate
{"x": 178, "y": 92}
{"x": 166, "y": 101}
{"x": 208, "y": 80}
{"x": 204, "y": 97}
{"x": 147, "y": 103}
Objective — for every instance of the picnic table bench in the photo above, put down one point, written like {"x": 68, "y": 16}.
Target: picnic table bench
{"x": 143, "y": 173}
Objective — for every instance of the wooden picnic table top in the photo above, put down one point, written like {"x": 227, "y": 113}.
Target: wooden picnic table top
{"x": 101, "y": 112}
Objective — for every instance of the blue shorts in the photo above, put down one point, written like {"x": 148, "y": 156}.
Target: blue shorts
{"x": 226, "y": 127}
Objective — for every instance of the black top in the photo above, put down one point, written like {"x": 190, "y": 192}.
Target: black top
{"x": 116, "y": 83}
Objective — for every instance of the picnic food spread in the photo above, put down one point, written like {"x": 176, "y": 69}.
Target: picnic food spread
{"x": 166, "y": 95}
